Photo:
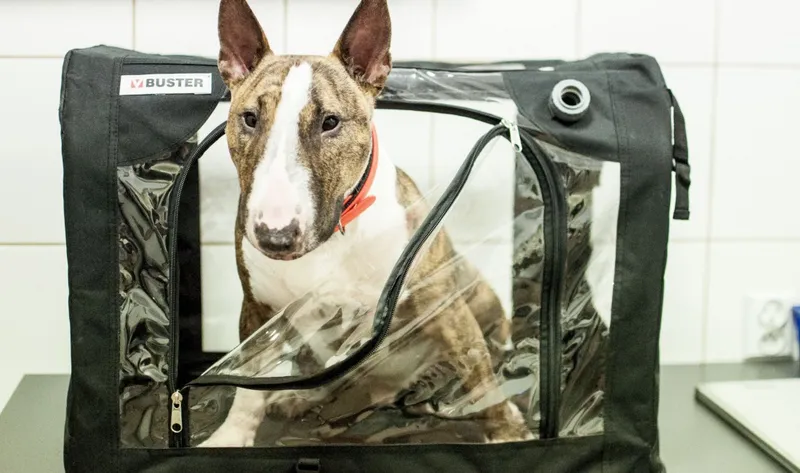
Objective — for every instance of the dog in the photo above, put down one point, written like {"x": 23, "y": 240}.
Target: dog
{"x": 324, "y": 211}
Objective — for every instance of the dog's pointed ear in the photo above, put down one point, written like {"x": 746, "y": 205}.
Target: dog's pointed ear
{"x": 242, "y": 43}
{"x": 364, "y": 45}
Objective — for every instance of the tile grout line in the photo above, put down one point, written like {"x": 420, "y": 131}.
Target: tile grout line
{"x": 710, "y": 182}
{"x": 735, "y": 240}
{"x": 686, "y": 65}
{"x": 432, "y": 120}
{"x": 578, "y": 36}
{"x": 133, "y": 25}
{"x": 34, "y": 244}
{"x": 769, "y": 66}
{"x": 32, "y": 56}
{"x": 285, "y": 26}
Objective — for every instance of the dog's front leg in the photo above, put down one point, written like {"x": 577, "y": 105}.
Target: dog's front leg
{"x": 249, "y": 406}
{"x": 243, "y": 420}
{"x": 467, "y": 349}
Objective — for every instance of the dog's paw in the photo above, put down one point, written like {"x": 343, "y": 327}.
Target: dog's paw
{"x": 229, "y": 435}
{"x": 511, "y": 427}
{"x": 510, "y": 434}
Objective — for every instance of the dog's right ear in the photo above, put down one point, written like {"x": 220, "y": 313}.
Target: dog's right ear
{"x": 242, "y": 43}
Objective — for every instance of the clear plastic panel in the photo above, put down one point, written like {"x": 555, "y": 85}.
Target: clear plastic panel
{"x": 592, "y": 191}
{"x": 144, "y": 192}
{"x": 219, "y": 199}
{"x": 419, "y": 85}
{"x": 439, "y": 375}
{"x": 462, "y": 360}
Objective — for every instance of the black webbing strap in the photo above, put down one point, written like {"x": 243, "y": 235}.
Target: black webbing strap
{"x": 680, "y": 165}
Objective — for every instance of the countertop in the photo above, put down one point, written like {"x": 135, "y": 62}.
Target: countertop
{"x": 692, "y": 438}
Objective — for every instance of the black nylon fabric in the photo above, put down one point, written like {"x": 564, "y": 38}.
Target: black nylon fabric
{"x": 628, "y": 123}
{"x": 646, "y": 159}
{"x": 179, "y": 116}
{"x": 87, "y": 116}
{"x": 596, "y": 134}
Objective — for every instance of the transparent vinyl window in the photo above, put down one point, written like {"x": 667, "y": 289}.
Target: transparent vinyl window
{"x": 592, "y": 189}
{"x": 461, "y": 361}
{"x": 438, "y": 375}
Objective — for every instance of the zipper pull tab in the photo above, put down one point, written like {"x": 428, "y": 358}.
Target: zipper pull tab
{"x": 176, "y": 416}
{"x": 513, "y": 131}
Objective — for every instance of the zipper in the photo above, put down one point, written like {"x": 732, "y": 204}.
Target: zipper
{"x": 466, "y": 169}
{"x": 513, "y": 134}
{"x": 555, "y": 219}
{"x": 176, "y": 406}
{"x": 387, "y": 301}
{"x": 555, "y": 213}
{"x": 176, "y": 413}
{"x": 555, "y": 260}
{"x": 550, "y": 352}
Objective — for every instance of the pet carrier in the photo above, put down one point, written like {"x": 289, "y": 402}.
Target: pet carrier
{"x": 574, "y": 219}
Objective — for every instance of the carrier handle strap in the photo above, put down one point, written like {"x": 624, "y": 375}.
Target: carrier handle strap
{"x": 680, "y": 161}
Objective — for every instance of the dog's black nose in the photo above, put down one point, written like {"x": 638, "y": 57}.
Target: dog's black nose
{"x": 277, "y": 240}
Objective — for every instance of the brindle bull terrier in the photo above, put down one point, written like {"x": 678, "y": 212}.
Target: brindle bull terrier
{"x": 322, "y": 205}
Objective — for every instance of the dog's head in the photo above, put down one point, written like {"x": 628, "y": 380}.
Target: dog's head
{"x": 299, "y": 128}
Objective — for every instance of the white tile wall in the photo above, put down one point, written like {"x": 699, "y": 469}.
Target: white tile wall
{"x": 737, "y": 269}
{"x": 473, "y": 30}
{"x": 51, "y": 27}
{"x": 34, "y": 326}
{"x": 693, "y": 86}
{"x": 734, "y": 66}
{"x": 679, "y": 31}
{"x": 190, "y": 26}
{"x": 30, "y": 164}
{"x": 757, "y": 161}
{"x": 313, "y": 26}
{"x": 682, "y": 324}
{"x": 759, "y": 34}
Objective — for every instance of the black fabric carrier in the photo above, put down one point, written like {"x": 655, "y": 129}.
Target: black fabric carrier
{"x": 586, "y": 386}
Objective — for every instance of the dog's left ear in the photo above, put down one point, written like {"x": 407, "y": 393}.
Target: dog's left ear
{"x": 363, "y": 47}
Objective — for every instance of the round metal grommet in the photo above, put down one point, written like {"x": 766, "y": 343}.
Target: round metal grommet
{"x": 569, "y": 100}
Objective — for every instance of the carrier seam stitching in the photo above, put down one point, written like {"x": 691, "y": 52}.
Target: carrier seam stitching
{"x": 621, "y": 222}
{"x": 70, "y": 396}
{"x": 113, "y": 238}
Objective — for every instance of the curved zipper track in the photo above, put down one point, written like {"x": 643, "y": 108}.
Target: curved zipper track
{"x": 386, "y": 303}
{"x": 554, "y": 265}
{"x": 555, "y": 258}
{"x": 178, "y": 440}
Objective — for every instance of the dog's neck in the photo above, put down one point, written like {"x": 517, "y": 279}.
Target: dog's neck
{"x": 373, "y": 222}
{"x": 359, "y": 199}
{"x": 382, "y": 189}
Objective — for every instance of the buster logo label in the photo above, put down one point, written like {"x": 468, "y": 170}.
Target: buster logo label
{"x": 161, "y": 84}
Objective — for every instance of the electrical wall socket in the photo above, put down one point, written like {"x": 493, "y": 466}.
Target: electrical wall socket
{"x": 768, "y": 327}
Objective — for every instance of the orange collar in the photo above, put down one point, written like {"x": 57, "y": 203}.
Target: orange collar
{"x": 359, "y": 200}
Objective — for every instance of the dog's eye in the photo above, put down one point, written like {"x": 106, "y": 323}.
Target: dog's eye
{"x": 250, "y": 119}
{"x": 330, "y": 123}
